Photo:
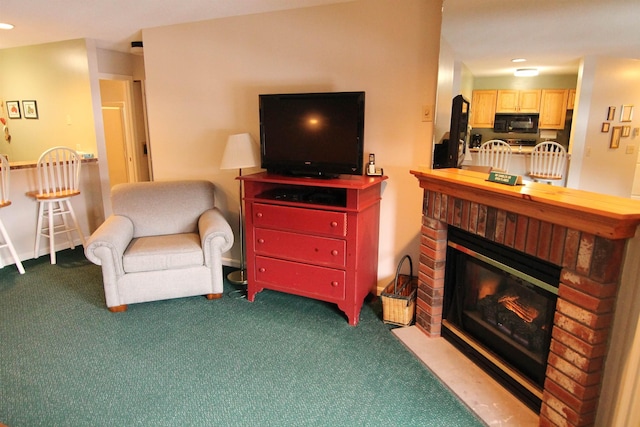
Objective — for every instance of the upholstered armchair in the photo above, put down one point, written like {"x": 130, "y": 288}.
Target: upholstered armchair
{"x": 164, "y": 240}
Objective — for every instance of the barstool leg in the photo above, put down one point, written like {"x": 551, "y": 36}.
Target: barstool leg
{"x": 52, "y": 240}
{"x": 12, "y": 250}
{"x": 75, "y": 222}
{"x": 65, "y": 223}
{"x": 39, "y": 229}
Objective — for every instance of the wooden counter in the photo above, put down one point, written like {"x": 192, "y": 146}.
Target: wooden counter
{"x": 602, "y": 215}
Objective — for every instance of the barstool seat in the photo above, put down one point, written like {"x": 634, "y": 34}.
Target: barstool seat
{"x": 4, "y": 202}
{"x": 58, "y": 171}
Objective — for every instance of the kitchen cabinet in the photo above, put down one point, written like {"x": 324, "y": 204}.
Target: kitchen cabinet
{"x": 317, "y": 238}
{"x": 483, "y": 108}
{"x": 572, "y": 99}
{"x": 553, "y": 108}
{"x": 518, "y": 101}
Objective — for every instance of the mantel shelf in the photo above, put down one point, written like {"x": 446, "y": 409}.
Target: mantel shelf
{"x": 602, "y": 215}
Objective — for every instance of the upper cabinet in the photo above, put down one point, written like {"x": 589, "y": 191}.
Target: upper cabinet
{"x": 572, "y": 99}
{"x": 518, "y": 101}
{"x": 553, "y": 108}
{"x": 483, "y": 108}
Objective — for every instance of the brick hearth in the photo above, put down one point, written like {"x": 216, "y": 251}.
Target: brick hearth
{"x": 591, "y": 265}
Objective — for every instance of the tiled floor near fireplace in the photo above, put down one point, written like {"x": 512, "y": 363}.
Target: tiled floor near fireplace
{"x": 486, "y": 398}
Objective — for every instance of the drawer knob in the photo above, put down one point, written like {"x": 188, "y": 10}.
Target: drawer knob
{"x": 262, "y": 269}
{"x": 334, "y": 284}
{"x": 260, "y": 240}
{"x": 334, "y": 224}
{"x": 334, "y": 252}
{"x": 259, "y": 214}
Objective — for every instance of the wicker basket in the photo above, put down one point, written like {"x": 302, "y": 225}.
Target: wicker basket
{"x": 399, "y": 297}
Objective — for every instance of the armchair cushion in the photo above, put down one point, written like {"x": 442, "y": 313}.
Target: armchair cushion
{"x": 163, "y": 253}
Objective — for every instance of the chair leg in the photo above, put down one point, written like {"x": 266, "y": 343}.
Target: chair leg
{"x": 118, "y": 308}
{"x": 213, "y": 296}
{"x": 12, "y": 250}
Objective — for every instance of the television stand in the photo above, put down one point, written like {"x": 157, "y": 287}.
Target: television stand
{"x": 312, "y": 237}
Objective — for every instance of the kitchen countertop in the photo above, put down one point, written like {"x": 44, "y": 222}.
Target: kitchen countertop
{"x": 29, "y": 164}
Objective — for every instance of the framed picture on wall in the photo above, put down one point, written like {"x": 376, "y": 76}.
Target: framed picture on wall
{"x": 611, "y": 114}
{"x": 13, "y": 109}
{"x": 30, "y": 109}
{"x": 626, "y": 130}
{"x": 615, "y": 137}
{"x": 626, "y": 115}
{"x": 605, "y": 127}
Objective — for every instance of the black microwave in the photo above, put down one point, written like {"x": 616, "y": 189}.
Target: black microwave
{"x": 517, "y": 123}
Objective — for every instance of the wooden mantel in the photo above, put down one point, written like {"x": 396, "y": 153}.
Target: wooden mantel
{"x": 602, "y": 215}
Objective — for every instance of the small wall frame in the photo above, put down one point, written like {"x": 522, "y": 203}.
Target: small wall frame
{"x": 615, "y": 137}
{"x": 626, "y": 113}
{"x": 30, "y": 109}
{"x": 13, "y": 109}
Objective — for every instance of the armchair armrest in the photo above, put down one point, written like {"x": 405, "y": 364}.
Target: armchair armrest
{"x": 215, "y": 234}
{"x": 107, "y": 244}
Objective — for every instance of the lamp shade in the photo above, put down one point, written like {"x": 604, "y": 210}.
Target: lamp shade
{"x": 240, "y": 152}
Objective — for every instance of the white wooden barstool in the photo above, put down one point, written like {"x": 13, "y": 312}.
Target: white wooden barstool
{"x": 548, "y": 162}
{"x": 58, "y": 171}
{"x": 495, "y": 153}
{"x": 4, "y": 202}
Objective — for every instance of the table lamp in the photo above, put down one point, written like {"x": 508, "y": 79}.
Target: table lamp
{"x": 240, "y": 152}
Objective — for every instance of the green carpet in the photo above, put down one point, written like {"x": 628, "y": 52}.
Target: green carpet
{"x": 65, "y": 360}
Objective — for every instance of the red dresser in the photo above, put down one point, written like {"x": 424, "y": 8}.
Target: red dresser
{"x": 317, "y": 238}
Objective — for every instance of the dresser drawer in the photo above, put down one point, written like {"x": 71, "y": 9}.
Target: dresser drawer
{"x": 303, "y": 279}
{"x": 300, "y": 247}
{"x": 311, "y": 221}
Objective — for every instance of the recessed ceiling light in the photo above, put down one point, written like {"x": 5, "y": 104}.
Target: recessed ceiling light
{"x": 518, "y": 60}
{"x": 5, "y": 26}
{"x": 526, "y": 72}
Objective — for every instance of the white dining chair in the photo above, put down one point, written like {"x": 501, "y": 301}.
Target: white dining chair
{"x": 4, "y": 202}
{"x": 495, "y": 153}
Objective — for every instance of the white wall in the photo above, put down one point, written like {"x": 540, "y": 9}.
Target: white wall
{"x": 604, "y": 82}
{"x": 203, "y": 81}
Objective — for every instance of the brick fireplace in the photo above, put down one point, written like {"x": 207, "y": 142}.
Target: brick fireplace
{"x": 583, "y": 233}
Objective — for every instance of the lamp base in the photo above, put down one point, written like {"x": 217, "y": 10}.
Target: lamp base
{"x": 237, "y": 277}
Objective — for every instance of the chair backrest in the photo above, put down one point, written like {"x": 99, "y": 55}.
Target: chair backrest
{"x": 58, "y": 171}
{"x": 548, "y": 161}
{"x": 495, "y": 153}
{"x": 163, "y": 207}
{"x": 4, "y": 181}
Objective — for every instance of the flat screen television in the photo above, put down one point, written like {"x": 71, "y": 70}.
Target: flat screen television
{"x": 312, "y": 134}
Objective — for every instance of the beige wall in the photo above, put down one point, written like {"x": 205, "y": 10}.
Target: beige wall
{"x": 604, "y": 82}
{"x": 56, "y": 75}
{"x": 203, "y": 81}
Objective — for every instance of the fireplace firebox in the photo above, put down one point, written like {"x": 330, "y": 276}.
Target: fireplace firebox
{"x": 499, "y": 306}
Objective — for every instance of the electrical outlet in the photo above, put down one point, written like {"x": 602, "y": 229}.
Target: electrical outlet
{"x": 427, "y": 113}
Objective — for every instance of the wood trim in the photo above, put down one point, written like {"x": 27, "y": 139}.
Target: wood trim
{"x": 602, "y": 215}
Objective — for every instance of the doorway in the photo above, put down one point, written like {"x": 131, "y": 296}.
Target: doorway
{"x": 126, "y": 149}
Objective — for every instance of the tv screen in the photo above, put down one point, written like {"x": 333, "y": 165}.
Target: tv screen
{"x": 312, "y": 134}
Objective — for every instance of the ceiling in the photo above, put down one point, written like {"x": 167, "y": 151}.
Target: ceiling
{"x": 551, "y": 34}
{"x": 114, "y": 24}
{"x": 485, "y": 34}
